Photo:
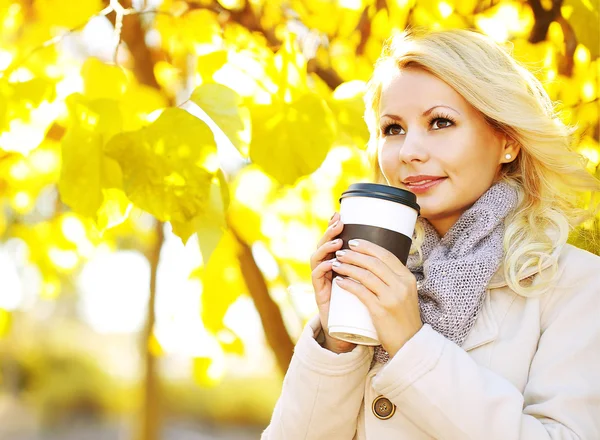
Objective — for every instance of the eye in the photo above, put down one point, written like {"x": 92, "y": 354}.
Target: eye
{"x": 440, "y": 122}
{"x": 392, "y": 130}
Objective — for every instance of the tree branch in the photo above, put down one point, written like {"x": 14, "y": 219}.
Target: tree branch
{"x": 132, "y": 34}
{"x": 364, "y": 25}
{"x": 277, "y": 336}
{"x": 565, "y": 66}
{"x": 247, "y": 17}
{"x": 543, "y": 18}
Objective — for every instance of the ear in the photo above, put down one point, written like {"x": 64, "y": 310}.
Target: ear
{"x": 510, "y": 147}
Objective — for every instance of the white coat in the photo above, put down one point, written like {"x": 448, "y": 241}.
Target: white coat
{"x": 528, "y": 370}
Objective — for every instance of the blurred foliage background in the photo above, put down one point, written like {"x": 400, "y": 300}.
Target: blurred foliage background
{"x": 166, "y": 169}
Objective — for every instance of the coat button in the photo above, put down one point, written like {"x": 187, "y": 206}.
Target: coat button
{"x": 383, "y": 408}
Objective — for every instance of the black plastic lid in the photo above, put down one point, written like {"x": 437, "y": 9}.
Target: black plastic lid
{"x": 385, "y": 192}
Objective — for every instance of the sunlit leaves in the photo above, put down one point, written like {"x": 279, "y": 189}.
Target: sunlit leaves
{"x": 348, "y": 106}
{"x": 209, "y": 63}
{"x": 584, "y": 19}
{"x": 136, "y": 101}
{"x": 86, "y": 171}
{"x": 102, "y": 80}
{"x": 506, "y": 19}
{"x": 292, "y": 127}
{"x": 209, "y": 224}
{"x": 196, "y": 31}
{"x": 56, "y": 247}
{"x": 112, "y": 101}
{"x": 23, "y": 178}
{"x": 291, "y": 140}
{"x": 222, "y": 284}
{"x": 251, "y": 191}
{"x": 61, "y": 13}
{"x": 225, "y": 108}
{"x": 25, "y": 113}
{"x": 168, "y": 165}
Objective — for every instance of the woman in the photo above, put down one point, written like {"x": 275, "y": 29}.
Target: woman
{"x": 492, "y": 329}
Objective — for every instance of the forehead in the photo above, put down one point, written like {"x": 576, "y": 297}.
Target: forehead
{"x": 415, "y": 88}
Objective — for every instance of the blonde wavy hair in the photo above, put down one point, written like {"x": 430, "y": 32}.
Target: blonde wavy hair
{"x": 549, "y": 175}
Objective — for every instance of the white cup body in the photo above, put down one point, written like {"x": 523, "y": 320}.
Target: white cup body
{"x": 349, "y": 319}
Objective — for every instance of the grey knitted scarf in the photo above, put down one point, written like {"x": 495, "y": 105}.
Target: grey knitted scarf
{"x": 456, "y": 269}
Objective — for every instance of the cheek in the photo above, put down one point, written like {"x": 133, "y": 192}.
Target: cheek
{"x": 388, "y": 160}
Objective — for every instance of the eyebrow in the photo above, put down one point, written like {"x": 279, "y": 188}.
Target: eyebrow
{"x": 425, "y": 113}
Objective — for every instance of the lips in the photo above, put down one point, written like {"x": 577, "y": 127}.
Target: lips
{"x": 424, "y": 185}
{"x": 424, "y": 181}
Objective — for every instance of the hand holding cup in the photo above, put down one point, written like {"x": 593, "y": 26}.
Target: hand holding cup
{"x": 322, "y": 275}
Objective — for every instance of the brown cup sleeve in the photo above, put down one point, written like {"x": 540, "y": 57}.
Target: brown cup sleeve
{"x": 395, "y": 242}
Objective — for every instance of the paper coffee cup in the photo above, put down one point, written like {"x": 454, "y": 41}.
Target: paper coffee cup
{"x": 384, "y": 215}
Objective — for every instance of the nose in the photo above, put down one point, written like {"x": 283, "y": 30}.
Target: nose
{"x": 412, "y": 149}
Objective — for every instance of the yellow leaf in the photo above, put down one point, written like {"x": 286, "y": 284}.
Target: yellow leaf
{"x": 64, "y": 13}
{"x": 210, "y": 224}
{"x": 348, "y": 106}
{"x": 85, "y": 169}
{"x": 168, "y": 165}
{"x": 224, "y": 107}
{"x": 252, "y": 190}
{"x": 114, "y": 209}
{"x": 292, "y": 140}
{"x": 584, "y": 20}
{"x": 209, "y": 63}
{"x": 289, "y": 69}
{"x": 222, "y": 283}
{"x": 26, "y": 113}
{"x": 198, "y": 31}
{"x": 102, "y": 80}
{"x": 138, "y": 103}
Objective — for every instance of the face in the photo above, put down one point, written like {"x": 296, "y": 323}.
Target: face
{"x": 429, "y": 129}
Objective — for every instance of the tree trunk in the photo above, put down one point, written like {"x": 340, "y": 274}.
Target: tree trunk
{"x": 150, "y": 415}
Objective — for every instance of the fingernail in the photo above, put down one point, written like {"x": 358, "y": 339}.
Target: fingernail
{"x": 336, "y": 264}
{"x": 334, "y": 225}
{"x": 336, "y": 241}
{"x": 353, "y": 243}
{"x": 340, "y": 253}
{"x": 332, "y": 216}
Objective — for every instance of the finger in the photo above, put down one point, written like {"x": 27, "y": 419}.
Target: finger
{"x": 372, "y": 264}
{"x": 374, "y": 250}
{"x": 333, "y": 218}
{"x": 325, "y": 252}
{"x": 366, "y": 296}
{"x": 318, "y": 278}
{"x": 363, "y": 276}
{"x": 331, "y": 232}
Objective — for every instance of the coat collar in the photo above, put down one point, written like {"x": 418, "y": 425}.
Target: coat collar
{"x": 485, "y": 329}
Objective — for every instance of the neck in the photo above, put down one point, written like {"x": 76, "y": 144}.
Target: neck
{"x": 443, "y": 225}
